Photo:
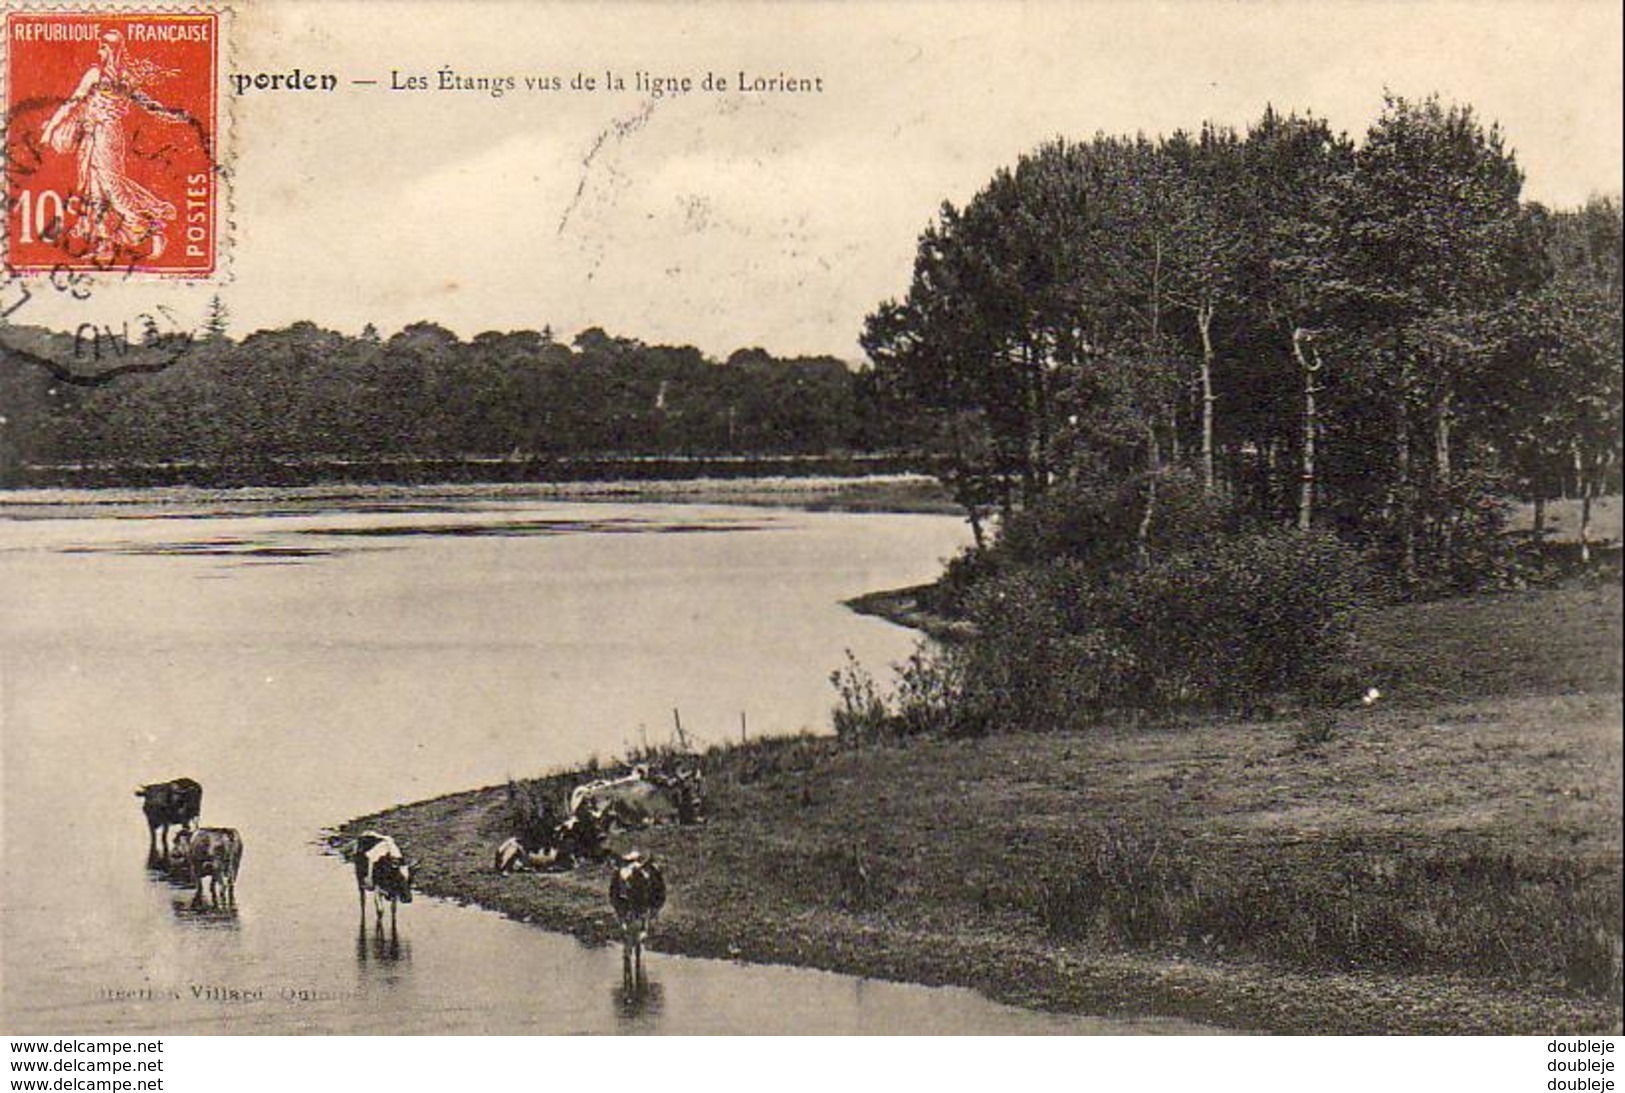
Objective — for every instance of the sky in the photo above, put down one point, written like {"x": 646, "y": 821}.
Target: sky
{"x": 727, "y": 219}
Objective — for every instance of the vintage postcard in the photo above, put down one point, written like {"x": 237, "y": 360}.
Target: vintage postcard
{"x": 729, "y": 518}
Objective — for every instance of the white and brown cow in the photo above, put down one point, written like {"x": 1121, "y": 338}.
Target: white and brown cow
{"x": 637, "y": 892}
{"x": 381, "y": 868}
{"x": 643, "y": 797}
{"x": 512, "y": 856}
{"x": 215, "y": 854}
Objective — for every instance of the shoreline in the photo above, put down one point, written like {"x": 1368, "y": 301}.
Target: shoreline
{"x": 916, "y": 862}
{"x": 901, "y": 606}
{"x": 902, "y": 493}
{"x": 716, "y": 912}
{"x": 936, "y": 861}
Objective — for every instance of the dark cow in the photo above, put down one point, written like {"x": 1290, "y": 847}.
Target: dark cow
{"x": 583, "y": 837}
{"x": 176, "y": 803}
{"x": 215, "y": 853}
{"x": 381, "y": 868}
{"x": 637, "y": 892}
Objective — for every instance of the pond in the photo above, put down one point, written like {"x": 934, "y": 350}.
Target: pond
{"x": 309, "y": 661}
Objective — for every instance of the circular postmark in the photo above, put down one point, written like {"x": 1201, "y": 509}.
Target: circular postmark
{"x": 85, "y": 226}
{"x": 95, "y": 354}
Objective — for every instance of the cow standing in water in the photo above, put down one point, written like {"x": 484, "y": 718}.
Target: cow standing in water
{"x": 177, "y": 803}
{"x": 637, "y": 892}
{"x": 381, "y": 868}
{"x": 215, "y": 853}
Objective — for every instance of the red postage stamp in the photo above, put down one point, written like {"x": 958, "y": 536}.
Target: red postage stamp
{"x": 111, "y": 142}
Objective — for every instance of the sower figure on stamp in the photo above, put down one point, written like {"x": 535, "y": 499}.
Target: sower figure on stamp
{"x": 110, "y": 209}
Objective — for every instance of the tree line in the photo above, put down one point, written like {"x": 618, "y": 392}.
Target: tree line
{"x": 305, "y": 393}
{"x": 1381, "y": 339}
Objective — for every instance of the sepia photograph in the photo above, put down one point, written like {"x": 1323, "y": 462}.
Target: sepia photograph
{"x": 882, "y": 519}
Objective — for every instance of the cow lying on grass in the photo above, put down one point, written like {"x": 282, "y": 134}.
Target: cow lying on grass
{"x": 580, "y": 838}
{"x": 643, "y": 797}
{"x": 514, "y": 857}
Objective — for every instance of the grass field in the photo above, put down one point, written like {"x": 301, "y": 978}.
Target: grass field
{"x": 1447, "y": 861}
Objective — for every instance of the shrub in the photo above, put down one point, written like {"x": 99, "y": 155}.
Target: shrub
{"x": 1224, "y": 625}
{"x": 964, "y": 571}
{"x": 1099, "y": 522}
{"x": 926, "y": 698}
{"x": 928, "y": 692}
{"x": 861, "y": 717}
{"x": 1237, "y": 621}
{"x": 1037, "y": 660}
{"x": 1464, "y": 547}
{"x": 532, "y": 815}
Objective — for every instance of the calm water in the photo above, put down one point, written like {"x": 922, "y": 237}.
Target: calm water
{"x": 309, "y": 666}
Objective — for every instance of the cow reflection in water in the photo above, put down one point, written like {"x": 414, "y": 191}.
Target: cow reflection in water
{"x": 381, "y": 948}
{"x": 213, "y": 854}
{"x": 645, "y": 998}
{"x": 205, "y": 915}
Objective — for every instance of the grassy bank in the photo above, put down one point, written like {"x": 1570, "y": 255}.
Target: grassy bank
{"x": 1445, "y": 862}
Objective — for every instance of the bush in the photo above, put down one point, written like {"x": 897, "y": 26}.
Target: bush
{"x": 950, "y": 592}
{"x": 1238, "y": 621}
{"x": 1038, "y": 658}
{"x": 862, "y": 716}
{"x": 929, "y": 686}
{"x": 1099, "y": 523}
{"x": 532, "y": 814}
{"x": 926, "y": 698}
{"x": 1463, "y": 546}
{"x": 1227, "y": 625}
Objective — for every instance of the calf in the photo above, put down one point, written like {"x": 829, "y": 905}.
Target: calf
{"x": 176, "y": 803}
{"x": 381, "y": 868}
{"x": 215, "y": 853}
{"x": 513, "y": 856}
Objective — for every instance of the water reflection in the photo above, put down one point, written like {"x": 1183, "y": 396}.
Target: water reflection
{"x": 221, "y": 899}
{"x": 381, "y": 947}
{"x": 633, "y": 979}
{"x": 193, "y": 909}
{"x": 173, "y": 868}
{"x": 204, "y": 914}
{"x": 638, "y": 1001}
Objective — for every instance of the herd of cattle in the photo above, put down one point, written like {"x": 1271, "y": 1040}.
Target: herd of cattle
{"x": 544, "y": 843}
